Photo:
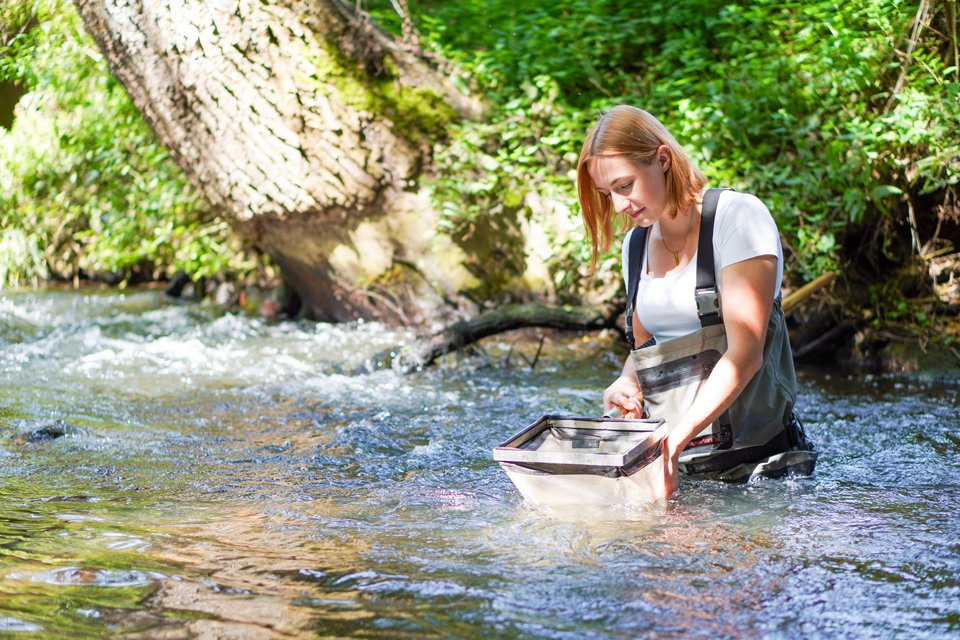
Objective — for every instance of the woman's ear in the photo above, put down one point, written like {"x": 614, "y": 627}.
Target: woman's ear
{"x": 664, "y": 158}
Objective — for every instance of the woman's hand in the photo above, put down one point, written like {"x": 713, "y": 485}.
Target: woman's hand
{"x": 669, "y": 457}
{"x": 625, "y": 394}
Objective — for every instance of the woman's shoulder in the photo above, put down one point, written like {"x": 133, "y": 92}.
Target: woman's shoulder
{"x": 743, "y": 224}
{"x": 741, "y": 203}
{"x": 736, "y": 211}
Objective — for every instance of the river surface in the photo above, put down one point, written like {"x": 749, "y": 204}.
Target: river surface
{"x": 170, "y": 470}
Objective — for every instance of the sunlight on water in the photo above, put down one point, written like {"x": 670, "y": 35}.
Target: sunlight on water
{"x": 170, "y": 470}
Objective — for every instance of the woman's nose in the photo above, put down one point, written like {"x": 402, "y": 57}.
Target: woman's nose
{"x": 620, "y": 204}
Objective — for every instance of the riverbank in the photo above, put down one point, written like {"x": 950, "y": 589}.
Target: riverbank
{"x": 832, "y": 334}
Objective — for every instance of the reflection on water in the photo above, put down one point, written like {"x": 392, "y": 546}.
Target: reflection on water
{"x": 167, "y": 470}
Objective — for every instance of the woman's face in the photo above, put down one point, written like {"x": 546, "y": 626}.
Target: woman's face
{"x": 637, "y": 191}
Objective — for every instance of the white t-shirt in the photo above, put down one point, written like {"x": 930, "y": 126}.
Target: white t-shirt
{"x": 743, "y": 229}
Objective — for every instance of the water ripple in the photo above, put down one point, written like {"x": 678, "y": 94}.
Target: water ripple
{"x": 77, "y": 576}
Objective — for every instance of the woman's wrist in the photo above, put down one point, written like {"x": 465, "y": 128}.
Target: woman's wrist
{"x": 676, "y": 440}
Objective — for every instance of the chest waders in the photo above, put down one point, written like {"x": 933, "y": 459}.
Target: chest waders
{"x": 758, "y": 435}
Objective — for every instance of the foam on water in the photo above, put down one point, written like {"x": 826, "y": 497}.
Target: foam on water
{"x": 148, "y": 345}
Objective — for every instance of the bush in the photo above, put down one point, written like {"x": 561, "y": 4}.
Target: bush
{"x": 84, "y": 186}
{"x": 812, "y": 106}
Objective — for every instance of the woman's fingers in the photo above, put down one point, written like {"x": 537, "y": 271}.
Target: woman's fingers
{"x": 627, "y": 396}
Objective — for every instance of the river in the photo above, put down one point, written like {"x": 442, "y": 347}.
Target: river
{"x": 171, "y": 470}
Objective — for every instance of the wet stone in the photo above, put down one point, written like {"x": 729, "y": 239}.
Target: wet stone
{"x": 51, "y": 431}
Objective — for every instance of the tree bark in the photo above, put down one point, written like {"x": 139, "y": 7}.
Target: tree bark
{"x": 306, "y": 128}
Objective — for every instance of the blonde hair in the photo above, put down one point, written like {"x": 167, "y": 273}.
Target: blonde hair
{"x": 637, "y": 135}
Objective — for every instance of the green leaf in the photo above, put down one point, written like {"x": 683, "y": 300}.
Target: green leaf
{"x": 885, "y": 190}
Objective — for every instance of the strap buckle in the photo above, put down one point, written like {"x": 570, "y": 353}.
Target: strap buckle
{"x": 708, "y": 306}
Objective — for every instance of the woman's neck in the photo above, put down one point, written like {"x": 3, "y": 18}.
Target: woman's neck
{"x": 676, "y": 230}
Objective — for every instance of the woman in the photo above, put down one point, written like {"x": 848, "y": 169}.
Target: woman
{"x": 631, "y": 167}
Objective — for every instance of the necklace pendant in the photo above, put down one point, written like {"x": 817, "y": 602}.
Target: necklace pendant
{"x": 676, "y": 258}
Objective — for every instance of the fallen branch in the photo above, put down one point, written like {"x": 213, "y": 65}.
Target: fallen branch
{"x": 807, "y": 290}
{"x": 520, "y": 316}
{"x": 825, "y": 339}
{"x": 507, "y": 318}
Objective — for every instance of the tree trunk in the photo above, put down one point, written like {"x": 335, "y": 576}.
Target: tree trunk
{"x": 307, "y": 129}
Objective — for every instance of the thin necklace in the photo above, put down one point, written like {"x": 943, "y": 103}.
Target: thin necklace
{"x": 676, "y": 254}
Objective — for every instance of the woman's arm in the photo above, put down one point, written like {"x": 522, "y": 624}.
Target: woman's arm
{"x": 748, "y": 293}
{"x": 625, "y": 392}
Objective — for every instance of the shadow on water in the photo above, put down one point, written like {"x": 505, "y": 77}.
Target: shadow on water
{"x": 169, "y": 471}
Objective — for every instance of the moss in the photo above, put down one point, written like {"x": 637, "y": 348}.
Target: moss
{"x": 394, "y": 274}
{"x": 417, "y": 114}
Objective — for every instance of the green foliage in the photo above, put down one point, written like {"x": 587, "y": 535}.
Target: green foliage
{"x": 531, "y": 62}
{"x": 84, "y": 185}
{"x": 813, "y": 106}
{"x": 802, "y": 109}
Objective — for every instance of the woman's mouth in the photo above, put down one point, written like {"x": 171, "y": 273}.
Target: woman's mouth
{"x": 636, "y": 212}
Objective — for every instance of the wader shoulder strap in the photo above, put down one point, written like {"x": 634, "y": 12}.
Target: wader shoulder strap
{"x": 706, "y": 293}
{"x": 635, "y": 249}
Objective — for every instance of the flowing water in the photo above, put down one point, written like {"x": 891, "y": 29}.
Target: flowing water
{"x": 170, "y": 470}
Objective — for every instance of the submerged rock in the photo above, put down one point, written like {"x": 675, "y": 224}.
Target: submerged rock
{"x": 15, "y": 329}
{"x": 51, "y": 431}
{"x": 177, "y": 284}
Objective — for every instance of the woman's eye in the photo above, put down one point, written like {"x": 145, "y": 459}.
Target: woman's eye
{"x": 625, "y": 186}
